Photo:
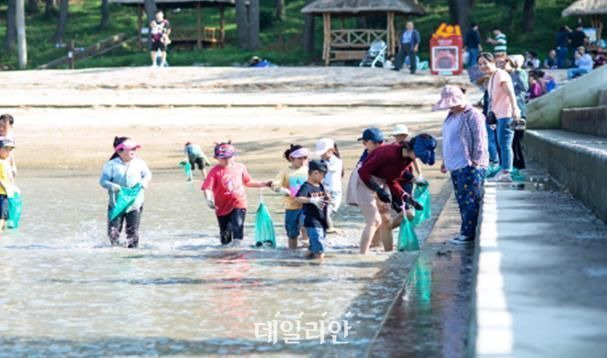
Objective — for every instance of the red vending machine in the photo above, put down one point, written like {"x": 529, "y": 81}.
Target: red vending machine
{"x": 446, "y": 51}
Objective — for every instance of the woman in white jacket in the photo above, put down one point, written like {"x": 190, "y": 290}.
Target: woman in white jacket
{"x": 125, "y": 171}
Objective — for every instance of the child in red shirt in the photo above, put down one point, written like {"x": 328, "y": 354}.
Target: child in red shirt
{"x": 224, "y": 191}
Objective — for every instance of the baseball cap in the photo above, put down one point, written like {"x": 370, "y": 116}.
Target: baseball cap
{"x": 224, "y": 151}
{"x": 373, "y": 134}
{"x": 424, "y": 146}
{"x": 317, "y": 165}
{"x": 400, "y": 129}
{"x": 323, "y": 145}
{"x": 127, "y": 145}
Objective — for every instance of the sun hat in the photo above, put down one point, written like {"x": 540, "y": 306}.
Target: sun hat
{"x": 323, "y": 145}
{"x": 127, "y": 145}
{"x": 317, "y": 165}
{"x": 224, "y": 151}
{"x": 517, "y": 61}
{"x": 372, "y": 134}
{"x": 451, "y": 96}
{"x": 400, "y": 129}
{"x": 424, "y": 146}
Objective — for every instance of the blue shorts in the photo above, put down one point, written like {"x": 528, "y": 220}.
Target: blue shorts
{"x": 317, "y": 237}
{"x": 293, "y": 222}
{"x": 3, "y": 207}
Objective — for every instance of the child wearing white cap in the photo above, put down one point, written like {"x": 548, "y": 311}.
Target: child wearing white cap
{"x": 329, "y": 154}
{"x": 287, "y": 182}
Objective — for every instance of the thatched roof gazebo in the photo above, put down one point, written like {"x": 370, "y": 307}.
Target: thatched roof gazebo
{"x": 348, "y": 44}
{"x": 592, "y": 8}
{"x": 203, "y": 34}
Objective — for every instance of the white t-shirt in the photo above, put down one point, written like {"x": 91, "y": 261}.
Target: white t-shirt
{"x": 332, "y": 179}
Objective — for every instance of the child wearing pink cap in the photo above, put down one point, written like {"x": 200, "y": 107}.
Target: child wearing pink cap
{"x": 224, "y": 191}
{"x": 287, "y": 182}
{"x": 125, "y": 171}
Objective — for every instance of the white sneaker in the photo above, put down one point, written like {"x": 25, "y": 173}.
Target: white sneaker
{"x": 461, "y": 240}
{"x": 503, "y": 177}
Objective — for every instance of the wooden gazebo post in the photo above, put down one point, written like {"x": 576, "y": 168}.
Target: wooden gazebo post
{"x": 198, "y": 25}
{"x": 326, "y": 50}
{"x": 391, "y": 36}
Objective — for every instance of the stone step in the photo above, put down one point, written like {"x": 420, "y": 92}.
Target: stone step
{"x": 578, "y": 161}
{"x": 603, "y": 98}
{"x": 585, "y": 120}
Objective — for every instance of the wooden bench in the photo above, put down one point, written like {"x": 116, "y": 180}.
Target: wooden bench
{"x": 347, "y": 55}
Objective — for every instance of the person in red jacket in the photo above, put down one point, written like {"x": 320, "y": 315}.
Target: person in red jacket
{"x": 380, "y": 184}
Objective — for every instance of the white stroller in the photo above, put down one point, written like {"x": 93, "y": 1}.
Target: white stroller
{"x": 376, "y": 56}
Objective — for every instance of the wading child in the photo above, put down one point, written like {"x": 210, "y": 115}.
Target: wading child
{"x": 329, "y": 154}
{"x": 315, "y": 200}
{"x": 224, "y": 191}
{"x": 125, "y": 171}
{"x": 287, "y": 182}
{"x": 6, "y": 131}
{"x": 196, "y": 157}
{"x": 7, "y": 188}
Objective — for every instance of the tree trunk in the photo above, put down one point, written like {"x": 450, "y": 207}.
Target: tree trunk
{"x": 281, "y": 13}
{"x": 150, "y": 10}
{"x": 528, "y": 15}
{"x": 254, "y": 43}
{"x": 32, "y": 7}
{"x": 242, "y": 24}
{"x": 463, "y": 14}
{"x": 63, "y": 7}
{"x": 48, "y": 8}
{"x": 453, "y": 11}
{"x": 105, "y": 14}
{"x": 21, "y": 40}
{"x": 10, "y": 38}
{"x": 308, "y": 33}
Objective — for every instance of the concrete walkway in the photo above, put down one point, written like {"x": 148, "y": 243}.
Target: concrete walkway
{"x": 542, "y": 275}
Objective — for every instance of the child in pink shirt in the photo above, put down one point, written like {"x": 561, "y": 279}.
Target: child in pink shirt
{"x": 224, "y": 191}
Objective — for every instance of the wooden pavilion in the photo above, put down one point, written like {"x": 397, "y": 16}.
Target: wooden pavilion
{"x": 593, "y": 8}
{"x": 200, "y": 34}
{"x": 351, "y": 44}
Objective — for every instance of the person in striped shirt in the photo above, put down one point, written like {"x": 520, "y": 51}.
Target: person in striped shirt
{"x": 499, "y": 42}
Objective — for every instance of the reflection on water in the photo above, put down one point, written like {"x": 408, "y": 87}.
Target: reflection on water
{"x": 64, "y": 290}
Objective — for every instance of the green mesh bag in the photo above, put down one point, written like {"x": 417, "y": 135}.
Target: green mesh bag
{"x": 124, "y": 199}
{"x": 187, "y": 167}
{"x": 264, "y": 227}
{"x": 407, "y": 240}
{"x": 15, "y": 205}
{"x": 422, "y": 195}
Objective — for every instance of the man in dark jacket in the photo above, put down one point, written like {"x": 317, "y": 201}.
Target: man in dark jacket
{"x": 409, "y": 45}
{"x": 472, "y": 44}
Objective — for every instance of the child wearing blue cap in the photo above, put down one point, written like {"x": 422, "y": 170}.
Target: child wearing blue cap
{"x": 315, "y": 200}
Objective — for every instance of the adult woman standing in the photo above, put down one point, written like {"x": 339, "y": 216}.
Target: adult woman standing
{"x": 465, "y": 156}
{"x": 502, "y": 105}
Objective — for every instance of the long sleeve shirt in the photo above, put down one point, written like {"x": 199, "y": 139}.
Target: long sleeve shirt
{"x": 465, "y": 140}
{"x": 584, "y": 62}
{"x": 387, "y": 163}
{"x": 126, "y": 175}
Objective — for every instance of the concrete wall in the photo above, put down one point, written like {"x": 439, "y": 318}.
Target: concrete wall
{"x": 544, "y": 112}
{"x": 574, "y": 160}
